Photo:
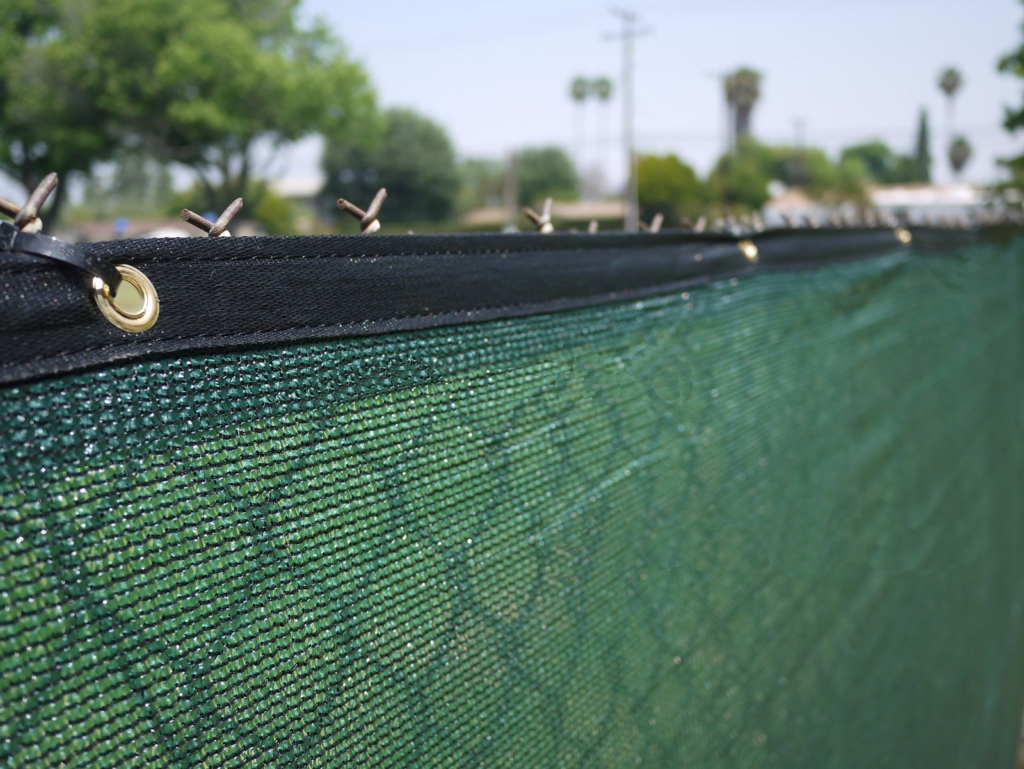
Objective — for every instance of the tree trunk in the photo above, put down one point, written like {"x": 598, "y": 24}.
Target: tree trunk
{"x": 742, "y": 122}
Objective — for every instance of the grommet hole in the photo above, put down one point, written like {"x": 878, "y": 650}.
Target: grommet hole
{"x": 135, "y": 306}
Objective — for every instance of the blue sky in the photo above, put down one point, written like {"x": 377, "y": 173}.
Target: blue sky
{"x": 496, "y": 74}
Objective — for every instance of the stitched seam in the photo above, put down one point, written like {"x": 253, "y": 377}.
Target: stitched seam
{"x": 157, "y": 259}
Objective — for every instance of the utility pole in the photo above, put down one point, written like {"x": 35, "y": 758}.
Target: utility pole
{"x": 628, "y": 35}
{"x": 799, "y": 132}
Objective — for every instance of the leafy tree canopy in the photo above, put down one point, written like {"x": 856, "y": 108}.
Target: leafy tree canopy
{"x": 415, "y": 161}
{"x": 669, "y": 186}
{"x": 481, "y": 183}
{"x": 950, "y": 81}
{"x": 740, "y": 179}
{"x": 1013, "y": 64}
{"x": 922, "y": 150}
{"x": 198, "y": 82}
{"x": 881, "y": 165}
{"x": 878, "y": 159}
{"x": 543, "y": 172}
{"x": 960, "y": 152}
{"x": 48, "y": 120}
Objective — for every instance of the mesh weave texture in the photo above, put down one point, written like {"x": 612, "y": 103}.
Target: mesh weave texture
{"x": 775, "y": 521}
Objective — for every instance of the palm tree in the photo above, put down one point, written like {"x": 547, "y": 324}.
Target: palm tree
{"x": 950, "y": 81}
{"x": 960, "y": 151}
{"x": 579, "y": 90}
{"x": 602, "y": 89}
{"x": 742, "y": 90}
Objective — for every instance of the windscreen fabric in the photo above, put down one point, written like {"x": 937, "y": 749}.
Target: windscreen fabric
{"x": 776, "y": 520}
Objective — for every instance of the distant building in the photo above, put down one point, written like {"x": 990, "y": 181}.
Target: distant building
{"x": 792, "y": 203}
{"x": 915, "y": 203}
{"x": 918, "y": 203}
{"x": 569, "y": 211}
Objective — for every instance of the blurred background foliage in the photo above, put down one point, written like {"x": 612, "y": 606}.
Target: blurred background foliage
{"x": 126, "y": 95}
{"x": 85, "y": 81}
{"x": 414, "y": 160}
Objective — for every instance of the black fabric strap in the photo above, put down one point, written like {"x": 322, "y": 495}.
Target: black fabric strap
{"x": 228, "y": 293}
{"x": 14, "y": 241}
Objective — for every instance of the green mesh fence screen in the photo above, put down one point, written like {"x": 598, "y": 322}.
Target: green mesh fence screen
{"x": 773, "y": 521}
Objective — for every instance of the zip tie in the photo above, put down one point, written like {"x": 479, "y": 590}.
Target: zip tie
{"x": 542, "y": 220}
{"x": 15, "y": 241}
{"x": 219, "y": 228}
{"x": 26, "y": 217}
{"x": 368, "y": 223}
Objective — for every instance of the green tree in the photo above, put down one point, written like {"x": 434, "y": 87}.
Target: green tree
{"x": 1013, "y": 64}
{"x": 48, "y": 122}
{"x": 878, "y": 159}
{"x": 204, "y": 83}
{"x": 960, "y": 152}
{"x": 882, "y": 165}
{"x": 851, "y": 176}
{"x": 602, "y": 88}
{"x": 669, "y": 186}
{"x": 275, "y": 213}
{"x": 950, "y": 83}
{"x": 922, "y": 150}
{"x": 742, "y": 91}
{"x": 415, "y": 161}
{"x": 805, "y": 167}
{"x": 481, "y": 183}
{"x": 579, "y": 89}
{"x": 543, "y": 172}
{"x": 208, "y": 94}
{"x": 740, "y": 179}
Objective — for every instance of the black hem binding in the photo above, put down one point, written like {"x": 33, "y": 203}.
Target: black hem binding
{"x": 223, "y": 293}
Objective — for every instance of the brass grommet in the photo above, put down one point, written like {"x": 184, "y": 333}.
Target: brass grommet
{"x": 749, "y": 249}
{"x": 135, "y": 307}
{"x": 903, "y": 235}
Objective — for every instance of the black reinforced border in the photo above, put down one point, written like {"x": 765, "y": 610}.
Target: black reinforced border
{"x": 230, "y": 292}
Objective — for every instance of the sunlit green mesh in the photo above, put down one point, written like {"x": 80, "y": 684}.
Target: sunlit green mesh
{"x": 770, "y": 522}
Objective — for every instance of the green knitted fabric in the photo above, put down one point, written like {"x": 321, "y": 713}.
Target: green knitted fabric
{"x": 775, "y": 521}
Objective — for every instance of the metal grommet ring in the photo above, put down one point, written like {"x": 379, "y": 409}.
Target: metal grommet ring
{"x": 749, "y": 249}
{"x": 135, "y": 307}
